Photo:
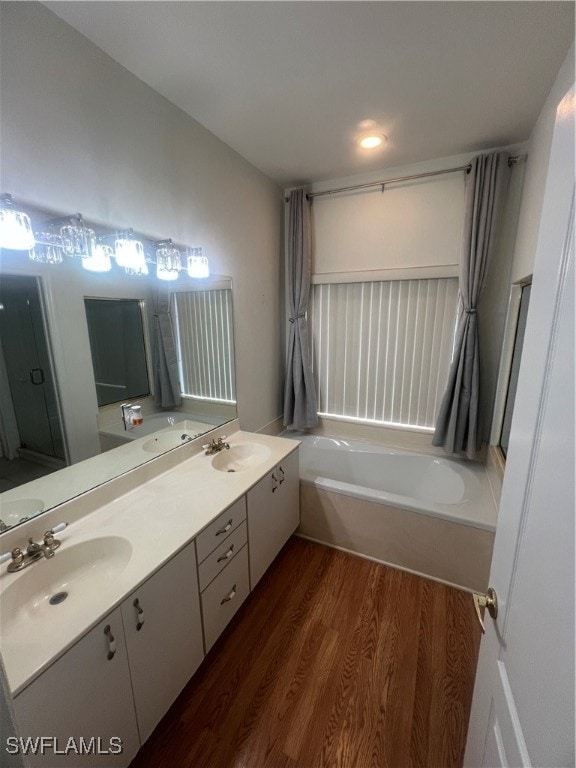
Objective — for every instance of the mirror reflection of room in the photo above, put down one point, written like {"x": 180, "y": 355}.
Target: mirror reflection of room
{"x": 116, "y": 331}
{"x": 77, "y": 344}
{"x": 31, "y": 438}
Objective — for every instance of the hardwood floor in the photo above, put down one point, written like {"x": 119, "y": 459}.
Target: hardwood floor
{"x": 333, "y": 661}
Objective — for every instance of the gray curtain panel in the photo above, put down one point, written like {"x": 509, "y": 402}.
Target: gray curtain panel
{"x": 300, "y": 408}
{"x": 167, "y": 393}
{"x": 458, "y": 419}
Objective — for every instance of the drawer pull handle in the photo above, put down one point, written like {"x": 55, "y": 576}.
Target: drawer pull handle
{"x": 139, "y": 614}
{"x": 111, "y": 642}
{"x": 230, "y": 596}
{"x": 282, "y": 473}
{"x": 225, "y": 529}
{"x": 227, "y": 555}
{"x": 274, "y": 482}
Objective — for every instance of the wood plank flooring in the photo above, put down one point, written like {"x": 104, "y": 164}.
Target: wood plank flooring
{"x": 333, "y": 661}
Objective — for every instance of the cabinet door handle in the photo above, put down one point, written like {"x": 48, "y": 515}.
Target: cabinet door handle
{"x": 225, "y": 529}
{"x": 227, "y": 555}
{"x": 230, "y": 596}
{"x": 274, "y": 482}
{"x": 139, "y": 614}
{"x": 111, "y": 642}
{"x": 282, "y": 473}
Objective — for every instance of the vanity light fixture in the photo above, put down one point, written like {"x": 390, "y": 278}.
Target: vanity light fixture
{"x": 70, "y": 236}
{"x": 372, "y": 140}
{"x": 15, "y": 227}
{"x": 168, "y": 263}
{"x": 197, "y": 263}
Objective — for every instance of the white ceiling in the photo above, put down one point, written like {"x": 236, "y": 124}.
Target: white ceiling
{"x": 288, "y": 84}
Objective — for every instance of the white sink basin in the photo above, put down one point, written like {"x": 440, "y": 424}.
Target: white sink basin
{"x": 165, "y": 442}
{"x": 18, "y": 510}
{"x": 240, "y": 457}
{"x": 49, "y": 586}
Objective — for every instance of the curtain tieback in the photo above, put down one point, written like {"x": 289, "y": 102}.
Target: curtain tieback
{"x": 470, "y": 311}
{"x": 297, "y": 317}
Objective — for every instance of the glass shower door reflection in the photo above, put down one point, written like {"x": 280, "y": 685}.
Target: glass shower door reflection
{"x": 28, "y": 367}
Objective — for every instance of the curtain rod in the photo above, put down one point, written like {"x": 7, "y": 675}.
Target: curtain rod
{"x": 384, "y": 182}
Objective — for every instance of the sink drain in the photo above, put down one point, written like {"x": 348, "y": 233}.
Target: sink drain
{"x": 58, "y": 598}
{"x": 231, "y": 470}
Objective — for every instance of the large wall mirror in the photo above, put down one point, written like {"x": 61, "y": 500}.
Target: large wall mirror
{"x": 74, "y": 346}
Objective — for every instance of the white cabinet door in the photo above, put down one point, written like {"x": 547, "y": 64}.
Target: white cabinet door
{"x": 83, "y": 702}
{"x": 273, "y": 514}
{"x": 164, "y": 637}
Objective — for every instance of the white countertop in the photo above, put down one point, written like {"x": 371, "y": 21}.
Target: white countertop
{"x": 158, "y": 518}
{"x": 73, "y": 480}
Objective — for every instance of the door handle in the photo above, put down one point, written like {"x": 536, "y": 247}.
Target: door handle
{"x": 37, "y": 376}
{"x": 488, "y": 601}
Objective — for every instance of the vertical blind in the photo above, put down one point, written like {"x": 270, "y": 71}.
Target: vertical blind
{"x": 204, "y": 336}
{"x": 382, "y": 350}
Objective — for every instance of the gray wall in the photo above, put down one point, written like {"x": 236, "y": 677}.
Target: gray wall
{"x": 80, "y": 133}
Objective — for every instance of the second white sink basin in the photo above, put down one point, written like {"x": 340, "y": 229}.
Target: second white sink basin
{"x": 240, "y": 457}
{"x": 75, "y": 573}
{"x": 17, "y": 510}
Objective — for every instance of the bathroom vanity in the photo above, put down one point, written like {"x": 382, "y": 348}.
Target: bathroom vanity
{"x": 100, "y": 639}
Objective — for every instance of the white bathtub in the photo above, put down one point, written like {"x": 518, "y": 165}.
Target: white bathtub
{"x": 422, "y": 483}
{"x": 424, "y": 513}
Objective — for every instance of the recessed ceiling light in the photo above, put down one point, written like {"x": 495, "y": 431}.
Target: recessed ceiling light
{"x": 372, "y": 140}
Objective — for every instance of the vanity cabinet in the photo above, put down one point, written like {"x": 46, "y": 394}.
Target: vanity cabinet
{"x": 222, "y": 598}
{"x": 273, "y": 514}
{"x": 222, "y": 552}
{"x": 163, "y": 633}
{"x": 112, "y": 687}
{"x": 86, "y": 693}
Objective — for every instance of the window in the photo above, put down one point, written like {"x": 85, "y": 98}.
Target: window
{"x": 382, "y": 350}
{"x": 205, "y": 340}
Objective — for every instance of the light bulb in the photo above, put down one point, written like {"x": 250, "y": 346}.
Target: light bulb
{"x": 372, "y": 141}
{"x": 15, "y": 227}
{"x": 197, "y": 263}
{"x": 100, "y": 260}
{"x": 130, "y": 255}
{"x": 168, "y": 263}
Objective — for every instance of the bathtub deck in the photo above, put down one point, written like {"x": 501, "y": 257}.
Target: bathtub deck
{"x": 333, "y": 661}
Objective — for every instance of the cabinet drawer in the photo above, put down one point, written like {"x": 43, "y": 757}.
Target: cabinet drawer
{"x": 222, "y": 598}
{"x": 218, "y": 530}
{"x": 222, "y": 555}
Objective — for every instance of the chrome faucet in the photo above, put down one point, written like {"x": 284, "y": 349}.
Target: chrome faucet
{"x": 216, "y": 446}
{"x": 34, "y": 551}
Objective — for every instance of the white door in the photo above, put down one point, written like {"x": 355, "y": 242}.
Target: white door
{"x": 523, "y": 705}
